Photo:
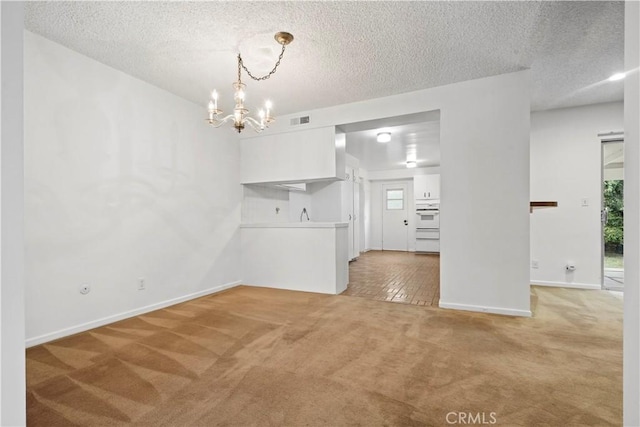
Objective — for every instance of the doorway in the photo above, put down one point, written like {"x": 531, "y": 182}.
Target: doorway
{"x": 395, "y": 217}
{"x": 612, "y": 214}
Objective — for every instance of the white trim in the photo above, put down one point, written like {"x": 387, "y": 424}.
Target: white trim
{"x": 483, "y": 309}
{"x": 611, "y": 136}
{"x": 30, "y": 342}
{"x": 567, "y": 285}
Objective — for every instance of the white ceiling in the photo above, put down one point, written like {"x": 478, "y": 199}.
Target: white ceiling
{"x": 413, "y": 137}
{"x": 613, "y": 155}
{"x": 347, "y": 51}
{"x": 613, "y": 161}
{"x": 350, "y": 51}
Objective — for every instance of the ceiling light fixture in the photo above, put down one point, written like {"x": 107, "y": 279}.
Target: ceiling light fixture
{"x": 616, "y": 76}
{"x": 384, "y": 137}
{"x": 411, "y": 164}
{"x": 240, "y": 114}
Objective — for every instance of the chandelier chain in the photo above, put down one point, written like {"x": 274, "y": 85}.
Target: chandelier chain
{"x": 240, "y": 118}
{"x": 266, "y": 76}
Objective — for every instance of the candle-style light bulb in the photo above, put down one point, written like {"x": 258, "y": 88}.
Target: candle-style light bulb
{"x": 268, "y": 106}
{"x": 214, "y": 96}
{"x": 211, "y": 111}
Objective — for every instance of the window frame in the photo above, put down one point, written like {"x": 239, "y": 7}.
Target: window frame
{"x": 401, "y": 199}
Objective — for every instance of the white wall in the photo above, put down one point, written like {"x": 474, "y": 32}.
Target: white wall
{"x": 12, "y": 363}
{"x": 323, "y": 201}
{"x": 566, "y": 167}
{"x": 299, "y": 200}
{"x": 263, "y": 203}
{"x": 122, "y": 180}
{"x": 484, "y": 170}
{"x": 632, "y": 215}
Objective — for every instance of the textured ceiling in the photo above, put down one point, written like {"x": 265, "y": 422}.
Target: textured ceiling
{"x": 347, "y": 51}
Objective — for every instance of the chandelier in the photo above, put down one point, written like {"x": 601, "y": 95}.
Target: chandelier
{"x": 240, "y": 117}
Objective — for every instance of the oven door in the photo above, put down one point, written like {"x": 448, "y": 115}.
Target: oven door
{"x": 428, "y": 218}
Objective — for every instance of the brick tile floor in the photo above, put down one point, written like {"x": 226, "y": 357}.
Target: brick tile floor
{"x": 402, "y": 277}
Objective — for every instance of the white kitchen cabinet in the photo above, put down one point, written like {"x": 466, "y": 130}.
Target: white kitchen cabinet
{"x": 351, "y": 210}
{"x": 426, "y": 186}
{"x": 428, "y": 245}
{"x": 300, "y": 156}
{"x": 356, "y": 214}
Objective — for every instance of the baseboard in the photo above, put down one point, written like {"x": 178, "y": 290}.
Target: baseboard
{"x": 30, "y": 342}
{"x": 566, "y": 285}
{"x": 483, "y": 309}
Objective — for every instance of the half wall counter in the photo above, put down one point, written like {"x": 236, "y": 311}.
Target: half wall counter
{"x": 299, "y": 256}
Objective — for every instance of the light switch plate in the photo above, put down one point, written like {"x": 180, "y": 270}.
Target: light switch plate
{"x": 584, "y": 202}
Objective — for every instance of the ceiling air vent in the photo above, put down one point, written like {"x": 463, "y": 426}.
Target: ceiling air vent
{"x": 300, "y": 121}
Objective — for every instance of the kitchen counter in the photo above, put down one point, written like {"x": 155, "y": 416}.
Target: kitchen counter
{"x": 304, "y": 224}
{"x": 300, "y": 256}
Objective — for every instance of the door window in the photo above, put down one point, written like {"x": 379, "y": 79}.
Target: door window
{"x": 395, "y": 199}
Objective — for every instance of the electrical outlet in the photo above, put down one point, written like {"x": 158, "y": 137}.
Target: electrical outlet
{"x": 141, "y": 284}
{"x": 534, "y": 263}
{"x": 85, "y": 289}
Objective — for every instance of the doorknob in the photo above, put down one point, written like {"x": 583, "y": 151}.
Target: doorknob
{"x": 406, "y": 222}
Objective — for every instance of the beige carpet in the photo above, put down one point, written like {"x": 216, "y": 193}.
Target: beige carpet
{"x": 252, "y": 356}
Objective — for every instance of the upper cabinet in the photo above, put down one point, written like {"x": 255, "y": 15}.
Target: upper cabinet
{"x": 426, "y": 186}
{"x": 300, "y": 156}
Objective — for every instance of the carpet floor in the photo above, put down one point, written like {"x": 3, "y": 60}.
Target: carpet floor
{"x": 254, "y": 356}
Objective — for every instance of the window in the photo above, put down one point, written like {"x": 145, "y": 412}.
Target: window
{"x": 395, "y": 199}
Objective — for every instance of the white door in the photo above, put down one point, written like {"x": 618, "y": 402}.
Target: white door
{"x": 612, "y": 214}
{"x": 347, "y": 208}
{"x": 395, "y": 229}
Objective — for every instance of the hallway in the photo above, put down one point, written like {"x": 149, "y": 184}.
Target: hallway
{"x": 401, "y": 277}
